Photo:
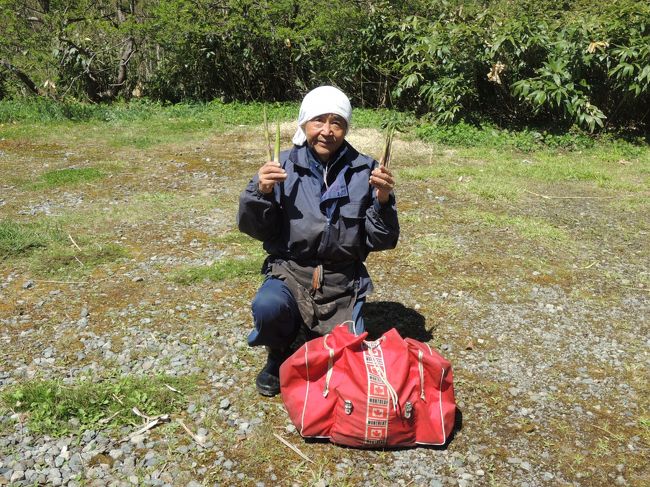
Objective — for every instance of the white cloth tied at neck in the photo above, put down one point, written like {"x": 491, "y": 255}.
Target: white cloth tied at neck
{"x": 321, "y": 100}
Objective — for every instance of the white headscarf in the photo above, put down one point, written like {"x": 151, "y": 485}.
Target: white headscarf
{"x": 321, "y": 100}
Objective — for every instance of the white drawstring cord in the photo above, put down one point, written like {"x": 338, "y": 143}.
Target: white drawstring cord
{"x": 354, "y": 328}
{"x": 330, "y": 367}
{"x": 384, "y": 379}
{"x": 421, "y": 369}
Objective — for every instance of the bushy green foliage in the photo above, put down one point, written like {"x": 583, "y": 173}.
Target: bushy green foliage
{"x": 528, "y": 61}
{"x": 510, "y": 62}
{"x": 486, "y": 135}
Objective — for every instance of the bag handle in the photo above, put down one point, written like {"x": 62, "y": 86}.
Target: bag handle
{"x": 330, "y": 366}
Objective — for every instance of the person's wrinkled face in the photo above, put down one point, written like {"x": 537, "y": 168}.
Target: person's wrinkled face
{"x": 325, "y": 134}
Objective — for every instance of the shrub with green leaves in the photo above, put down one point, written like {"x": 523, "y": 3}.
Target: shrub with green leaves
{"x": 581, "y": 63}
{"x": 506, "y": 61}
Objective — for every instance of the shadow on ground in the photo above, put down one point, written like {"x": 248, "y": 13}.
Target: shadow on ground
{"x": 381, "y": 316}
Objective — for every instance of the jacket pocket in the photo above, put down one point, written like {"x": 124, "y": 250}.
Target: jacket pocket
{"x": 352, "y": 212}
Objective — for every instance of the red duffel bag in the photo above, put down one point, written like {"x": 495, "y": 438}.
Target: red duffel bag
{"x": 387, "y": 392}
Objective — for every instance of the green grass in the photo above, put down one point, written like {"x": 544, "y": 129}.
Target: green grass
{"x": 70, "y": 261}
{"x": 50, "y": 251}
{"x": 22, "y": 238}
{"x": 50, "y": 405}
{"x": 490, "y": 187}
{"x": 229, "y": 268}
{"x": 242, "y": 243}
{"x": 67, "y": 177}
{"x": 434, "y": 244}
{"x": 531, "y": 228}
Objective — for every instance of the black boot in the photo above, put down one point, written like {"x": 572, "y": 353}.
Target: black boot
{"x": 268, "y": 380}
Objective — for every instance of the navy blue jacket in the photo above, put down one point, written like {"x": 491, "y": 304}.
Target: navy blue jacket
{"x": 303, "y": 221}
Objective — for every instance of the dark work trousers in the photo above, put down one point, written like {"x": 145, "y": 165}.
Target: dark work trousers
{"x": 277, "y": 319}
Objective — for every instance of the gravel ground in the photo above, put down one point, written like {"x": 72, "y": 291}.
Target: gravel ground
{"x": 550, "y": 353}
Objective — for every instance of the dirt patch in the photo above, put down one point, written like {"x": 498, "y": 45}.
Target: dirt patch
{"x": 548, "y": 337}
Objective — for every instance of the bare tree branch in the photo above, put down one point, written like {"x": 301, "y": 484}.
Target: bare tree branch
{"x": 21, "y": 75}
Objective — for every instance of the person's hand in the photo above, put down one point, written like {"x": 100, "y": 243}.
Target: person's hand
{"x": 269, "y": 174}
{"x": 382, "y": 180}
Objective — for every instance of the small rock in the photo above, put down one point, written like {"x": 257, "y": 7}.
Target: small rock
{"x": 28, "y": 284}
{"x": 138, "y": 279}
{"x": 116, "y": 454}
{"x": 228, "y": 464}
{"x": 137, "y": 439}
{"x": 224, "y": 404}
{"x": 17, "y": 476}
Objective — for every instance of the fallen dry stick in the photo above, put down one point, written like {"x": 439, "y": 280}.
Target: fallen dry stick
{"x": 547, "y": 197}
{"x": 109, "y": 419}
{"x": 163, "y": 418}
{"x": 172, "y": 389}
{"x": 74, "y": 243}
{"x": 196, "y": 438}
{"x": 302, "y": 455}
{"x": 137, "y": 412}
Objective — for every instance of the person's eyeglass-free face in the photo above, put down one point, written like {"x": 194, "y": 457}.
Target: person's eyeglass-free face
{"x": 325, "y": 134}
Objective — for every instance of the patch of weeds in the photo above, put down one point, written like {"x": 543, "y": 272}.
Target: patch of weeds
{"x": 644, "y": 423}
{"x": 51, "y": 404}
{"x": 67, "y": 177}
{"x": 21, "y": 238}
{"x": 526, "y": 140}
{"x": 159, "y": 197}
{"x": 240, "y": 242}
{"x": 552, "y": 168}
{"x": 433, "y": 245}
{"x": 68, "y": 260}
{"x": 436, "y": 170}
{"x": 532, "y": 228}
{"x": 490, "y": 188}
{"x": 229, "y": 268}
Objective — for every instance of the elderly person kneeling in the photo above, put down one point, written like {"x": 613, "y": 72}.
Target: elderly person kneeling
{"x": 319, "y": 211}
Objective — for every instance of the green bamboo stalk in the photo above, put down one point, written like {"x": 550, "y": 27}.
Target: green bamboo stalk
{"x": 277, "y": 141}
{"x": 267, "y": 136}
{"x": 388, "y": 145}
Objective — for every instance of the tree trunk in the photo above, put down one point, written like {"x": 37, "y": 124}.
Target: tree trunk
{"x": 21, "y": 75}
{"x": 115, "y": 88}
{"x": 128, "y": 50}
